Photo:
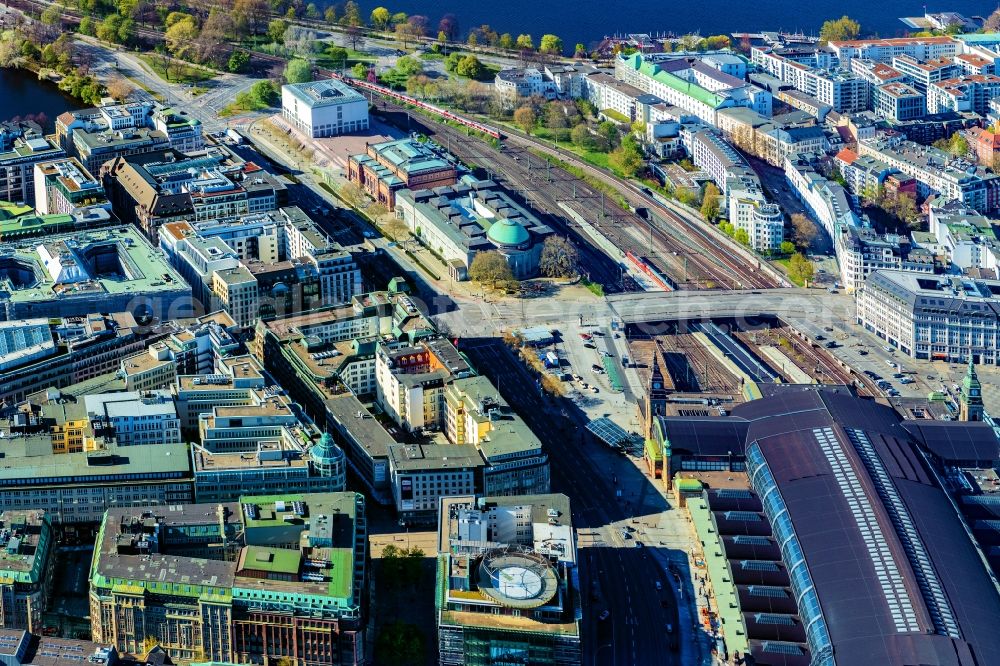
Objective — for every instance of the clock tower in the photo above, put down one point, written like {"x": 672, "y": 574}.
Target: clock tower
{"x": 971, "y": 400}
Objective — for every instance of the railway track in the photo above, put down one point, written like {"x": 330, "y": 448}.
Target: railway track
{"x": 551, "y": 190}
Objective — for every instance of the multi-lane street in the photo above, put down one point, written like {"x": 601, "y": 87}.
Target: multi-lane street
{"x": 635, "y": 631}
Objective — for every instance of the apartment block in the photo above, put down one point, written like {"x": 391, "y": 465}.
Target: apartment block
{"x": 966, "y": 94}
{"x": 18, "y": 158}
{"x": 898, "y": 102}
{"x": 884, "y": 50}
{"x": 938, "y": 172}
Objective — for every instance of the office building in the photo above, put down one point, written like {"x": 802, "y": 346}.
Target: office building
{"x": 925, "y": 73}
{"x": 827, "y": 200}
{"x": 22, "y": 648}
{"x": 696, "y": 88}
{"x": 861, "y": 251}
{"x": 95, "y": 147}
{"x": 898, "y": 102}
{"x": 949, "y": 318}
{"x": 843, "y": 91}
{"x": 422, "y": 474}
{"x": 196, "y": 349}
{"x": 129, "y": 418}
{"x": 18, "y": 158}
{"x": 77, "y": 488}
{"x": 385, "y": 168}
{"x": 326, "y": 360}
{"x": 103, "y": 270}
{"x": 922, "y": 592}
{"x": 271, "y": 577}
{"x": 515, "y": 84}
{"x": 486, "y": 543}
{"x": 771, "y": 141}
{"x": 966, "y": 239}
{"x": 167, "y": 186}
{"x": 249, "y": 438}
{"x": 62, "y": 186}
{"x": 27, "y": 564}
{"x": 324, "y": 108}
{"x": 18, "y": 221}
{"x": 268, "y": 264}
{"x": 44, "y": 353}
{"x": 750, "y": 211}
{"x": 183, "y": 133}
{"x": 279, "y": 466}
{"x": 459, "y": 221}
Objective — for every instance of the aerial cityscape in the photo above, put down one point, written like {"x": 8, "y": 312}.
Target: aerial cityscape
{"x": 589, "y": 335}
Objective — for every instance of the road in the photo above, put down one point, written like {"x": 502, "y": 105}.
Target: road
{"x": 626, "y": 575}
{"x": 107, "y": 62}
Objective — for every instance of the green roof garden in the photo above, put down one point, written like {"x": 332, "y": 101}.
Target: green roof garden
{"x": 272, "y": 560}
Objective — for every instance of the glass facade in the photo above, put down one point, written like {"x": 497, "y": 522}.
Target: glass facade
{"x": 810, "y": 611}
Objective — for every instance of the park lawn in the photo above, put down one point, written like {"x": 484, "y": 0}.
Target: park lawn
{"x": 176, "y": 71}
{"x": 784, "y": 264}
{"x": 431, "y": 55}
{"x": 353, "y": 57}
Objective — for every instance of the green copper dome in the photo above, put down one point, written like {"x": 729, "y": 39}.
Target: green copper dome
{"x": 507, "y": 232}
{"x": 325, "y": 450}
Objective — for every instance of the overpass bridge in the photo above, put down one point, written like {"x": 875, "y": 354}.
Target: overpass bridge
{"x": 650, "y": 309}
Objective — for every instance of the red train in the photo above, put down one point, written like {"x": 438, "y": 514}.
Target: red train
{"x": 406, "y": 99}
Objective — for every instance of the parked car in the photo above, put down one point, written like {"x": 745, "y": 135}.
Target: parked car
{"x": 659, "y": 585}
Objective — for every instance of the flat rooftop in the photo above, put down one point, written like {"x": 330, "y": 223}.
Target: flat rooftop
{"x": 114, "y": 261}
{"x": 327, "y": 92}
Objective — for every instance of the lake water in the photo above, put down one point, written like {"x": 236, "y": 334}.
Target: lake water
{"x": 22, "y": 94}
{"x": 587, "y": 21}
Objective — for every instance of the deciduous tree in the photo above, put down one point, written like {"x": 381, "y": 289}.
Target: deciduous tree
{"x": 525, "y": 42}
{"x": 804, "y": 231}
{"x": 380, "y": 18}
{"x": 180, "y": 37}
{"x": 526, "y": 118}
{"x": 710, "y": 202}
{"x": 470, "y": 66}
{"x": 352, "y": 14}
{"x": 298, "y": 71}
{"x": 844, "y": 28}
{"x": 551, "y": 44}
{"x": 250, "y": 16}
{"x": 276, "y": 30}
{"x": 490, "y": 268}
{"x": 449, "y": 26}
{"x": 119, "y": 88}
{"x": 559, "y": 258}
{"x": 627, "y": 158}
{"x": 800, "y": 269}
